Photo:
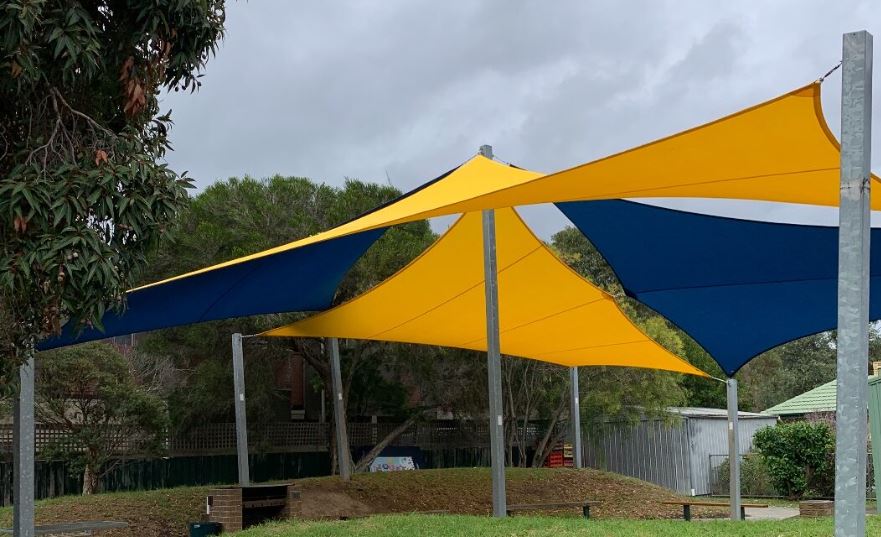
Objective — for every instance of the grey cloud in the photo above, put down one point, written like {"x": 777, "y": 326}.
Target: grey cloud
{"x": 411, "y": 88}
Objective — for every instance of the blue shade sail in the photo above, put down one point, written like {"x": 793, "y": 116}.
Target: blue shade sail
{"x": 738, "y": 287}
{"x": 300, "y": 279}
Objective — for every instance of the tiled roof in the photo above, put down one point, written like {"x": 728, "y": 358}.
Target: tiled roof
{"x": 820, "y": 399}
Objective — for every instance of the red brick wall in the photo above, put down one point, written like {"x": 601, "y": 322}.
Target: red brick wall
{"x": 226, "y": 508}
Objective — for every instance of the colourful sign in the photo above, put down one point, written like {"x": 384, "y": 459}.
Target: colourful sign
{"x": 392, "y": 464}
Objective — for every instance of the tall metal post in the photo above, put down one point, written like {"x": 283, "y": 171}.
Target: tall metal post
{"x": 853, "y": 286}
{"x": 733, "y": 450}
{"x": 494, "y": 357}
{"x": 575, "y": 417}
{"x": 238, "y": 377}
{"x": 23, "y": 453}
{"x": 339, "y": 411}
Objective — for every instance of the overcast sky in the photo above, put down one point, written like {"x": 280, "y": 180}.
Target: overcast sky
{"x": 408, "y": 89}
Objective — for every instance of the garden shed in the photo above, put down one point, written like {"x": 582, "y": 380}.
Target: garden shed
{"x": 679, "y": 452}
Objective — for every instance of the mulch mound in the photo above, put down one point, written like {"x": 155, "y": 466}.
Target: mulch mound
{"x": 467, "y": 491}
{"x": 164, "y": 513}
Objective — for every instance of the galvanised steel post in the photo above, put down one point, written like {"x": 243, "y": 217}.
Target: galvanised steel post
{"x": 23, "y": 452}
{"x": 493, "y": 357}
{"x": 238, "y": 377}
{"x": 339, "y": 411}
{"x": 575, "y": 416}
{"x": 733, "y": 450}
{"x": 853, "y": 285}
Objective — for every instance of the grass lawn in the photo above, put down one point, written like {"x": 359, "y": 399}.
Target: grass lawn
{"x": 472, "y": 526}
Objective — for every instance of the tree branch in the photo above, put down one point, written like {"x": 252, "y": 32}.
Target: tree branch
{"x": 368, "y": 458}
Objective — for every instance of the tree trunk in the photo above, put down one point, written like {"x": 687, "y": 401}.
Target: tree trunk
{"x": 367, "y": 459}
{"x": 544, "y": 447}
{"x": 90, "y": 479}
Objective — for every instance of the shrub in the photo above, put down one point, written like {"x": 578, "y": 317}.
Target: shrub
{"x": 800, "y": 458}
{"x": 755, "y": 480}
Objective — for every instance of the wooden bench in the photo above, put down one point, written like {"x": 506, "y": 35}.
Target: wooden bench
{"x": 75, "y": 528}
{"x": 687, "y": 504}
{"x": 584, "y": 506}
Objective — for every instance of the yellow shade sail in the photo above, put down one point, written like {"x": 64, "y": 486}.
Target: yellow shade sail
{"x": 780, "y": 150}
{"x": 546, "y": 311}
{"x": 447, "y": 190}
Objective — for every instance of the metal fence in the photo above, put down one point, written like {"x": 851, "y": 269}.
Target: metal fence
{"x": 288, "y": 437}
{"x": 671, "y": 454}
{"x": 57, "y": 478}
{"x": 651, "y": 450}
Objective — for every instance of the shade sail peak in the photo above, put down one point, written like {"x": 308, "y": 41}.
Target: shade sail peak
{"x": 546, "y": 311}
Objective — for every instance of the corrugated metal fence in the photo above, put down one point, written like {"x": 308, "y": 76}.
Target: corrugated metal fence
{"x": 651, "y": 450}
{"x": 674, "y": 454}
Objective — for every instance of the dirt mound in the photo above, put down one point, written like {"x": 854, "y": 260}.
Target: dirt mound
{"x": 467, "y": 491}
{"x": 329, "y": 504}
{"x": 157, "y": 513}
{"x": 165, "y": 513}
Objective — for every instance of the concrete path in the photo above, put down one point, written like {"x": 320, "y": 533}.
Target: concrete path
{"x": 771, "y": 513}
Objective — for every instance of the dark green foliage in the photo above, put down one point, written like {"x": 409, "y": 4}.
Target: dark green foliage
{"x": 618, "y": 392}
{"x": 89, "y": 393}
{"x": 702, "y": 392}
{"x": 83, "y": 192}
{"x": 755, "y": 478}
{"x": 788, "y": 370}
{"x": 794, "y": 368}
{"x": 241, "y": 216}
{"x": 580, "y": 254}
{"x": 800, "y": 458}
